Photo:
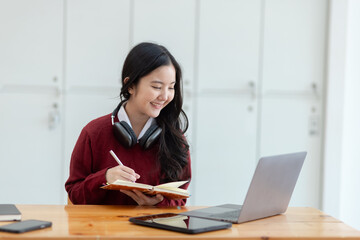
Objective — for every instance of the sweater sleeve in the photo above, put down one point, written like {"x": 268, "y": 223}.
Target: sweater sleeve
{"x": 186, "y": 175}
{"x": 83, "y": 185}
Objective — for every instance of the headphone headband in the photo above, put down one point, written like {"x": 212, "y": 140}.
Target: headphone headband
{"x": 116, "y": 110}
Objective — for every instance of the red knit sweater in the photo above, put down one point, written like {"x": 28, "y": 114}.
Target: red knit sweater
{"x": 91, "y": 158}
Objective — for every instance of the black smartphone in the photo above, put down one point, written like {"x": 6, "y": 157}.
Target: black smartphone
{"x": 180, "y": 223}
{"x": 25, "y": 226}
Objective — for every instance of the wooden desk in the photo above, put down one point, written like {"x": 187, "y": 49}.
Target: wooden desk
{"x": 111, "y": 222}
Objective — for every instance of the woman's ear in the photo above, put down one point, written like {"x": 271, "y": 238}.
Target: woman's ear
{"x": 130, "y": 89}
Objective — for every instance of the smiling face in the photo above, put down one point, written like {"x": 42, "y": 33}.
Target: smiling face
{"x": 152, "y": 93}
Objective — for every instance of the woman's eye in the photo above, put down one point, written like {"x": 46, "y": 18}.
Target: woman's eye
{"x": 158, "y": 88}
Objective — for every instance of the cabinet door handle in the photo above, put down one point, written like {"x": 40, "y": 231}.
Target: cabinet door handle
{"x": 54, "y": 117}
{"x": 252, "y": 89}
{"x": 315, "y": 90}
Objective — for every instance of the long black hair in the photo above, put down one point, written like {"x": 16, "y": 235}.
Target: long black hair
{"x": 173, "y": 148}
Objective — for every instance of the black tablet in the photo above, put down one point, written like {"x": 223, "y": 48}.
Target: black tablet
{"x": 25, "y": 226}
{"x": 180, "y": 223}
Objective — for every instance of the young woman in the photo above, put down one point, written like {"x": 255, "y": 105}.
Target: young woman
{"x": 145, "y": 131}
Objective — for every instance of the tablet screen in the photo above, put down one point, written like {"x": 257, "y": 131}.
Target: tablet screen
{"x": 180, "y": 223}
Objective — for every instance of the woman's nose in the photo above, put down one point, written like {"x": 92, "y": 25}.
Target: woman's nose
{"x": 164, "y": 94}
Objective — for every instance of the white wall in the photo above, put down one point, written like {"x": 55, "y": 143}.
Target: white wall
{"x": 64, "y": 57}
{"x": 350, "y": 184}
{"x": 262, "y": 76}
{"x": 341, "y": 195}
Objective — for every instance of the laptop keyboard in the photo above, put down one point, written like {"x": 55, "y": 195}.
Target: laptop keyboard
{"x": 228, "y": 216}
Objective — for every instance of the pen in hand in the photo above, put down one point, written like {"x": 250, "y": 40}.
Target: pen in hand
{"x": 120, "y": 163}
{"x": 116, "y": 158}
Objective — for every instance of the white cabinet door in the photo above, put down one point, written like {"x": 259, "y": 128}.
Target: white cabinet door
{"x": 30, "y": 101}
{"x": 293, "y": 76}
{"x": 229, "y": 41}
{"x": 224, "y": 158}
{"x": 31, "y": 43}
{"x": 291, "y": 125}
{"x": 30, "y": 149}
{"x": 97, "y": 41}
{"x": 294, "y": 46}
{"x": 171, "y": 24}
{"x": 226, "y": 116}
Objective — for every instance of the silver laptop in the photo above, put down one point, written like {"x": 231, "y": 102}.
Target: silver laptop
{"x": 269, "y": 193}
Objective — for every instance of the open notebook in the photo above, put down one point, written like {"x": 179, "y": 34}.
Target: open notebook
{"x": 169, "y": 190}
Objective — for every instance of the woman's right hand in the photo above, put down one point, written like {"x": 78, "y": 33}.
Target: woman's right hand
{"x": 122, "y": 173}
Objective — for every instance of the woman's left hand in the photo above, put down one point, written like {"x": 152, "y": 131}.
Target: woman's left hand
{"x": 143, "y": 199}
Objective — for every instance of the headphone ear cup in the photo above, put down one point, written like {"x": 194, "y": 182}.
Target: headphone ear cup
{"x": 124, "y": 134}
{"x": 150, "y": 136}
